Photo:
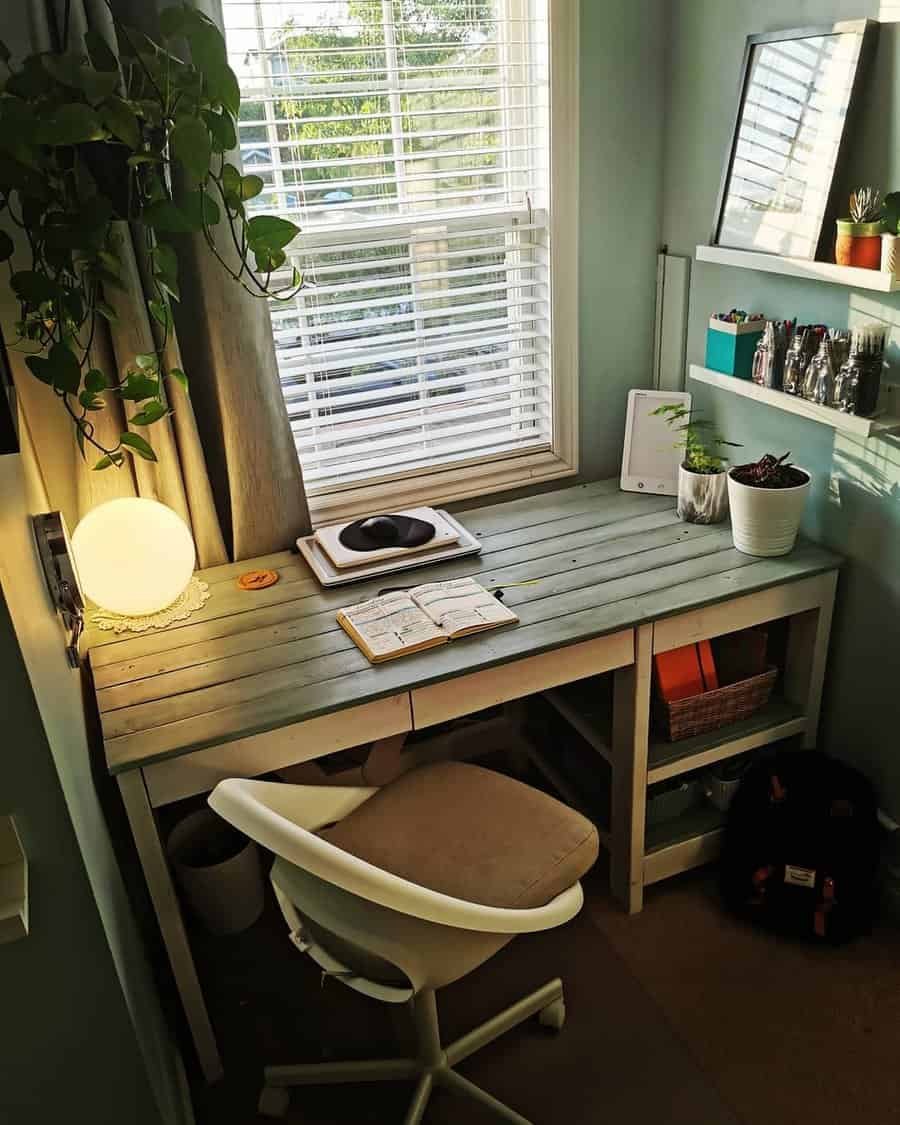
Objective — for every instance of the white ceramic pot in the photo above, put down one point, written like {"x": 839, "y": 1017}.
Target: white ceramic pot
{"x": 764, "y": 521}
{"x": 702, "y": 497}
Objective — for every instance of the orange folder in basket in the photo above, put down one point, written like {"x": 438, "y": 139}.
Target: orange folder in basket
{"x": 678, "y": 673}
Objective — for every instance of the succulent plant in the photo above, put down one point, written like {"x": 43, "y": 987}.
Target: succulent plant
{"x": 865, "y": 205}
{"x": 770, "y": 472}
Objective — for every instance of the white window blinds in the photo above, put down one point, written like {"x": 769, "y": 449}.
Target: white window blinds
{"x": 409, "y": 139}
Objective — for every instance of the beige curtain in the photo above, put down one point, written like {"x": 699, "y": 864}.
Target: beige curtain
{"x": 226, "y": 458}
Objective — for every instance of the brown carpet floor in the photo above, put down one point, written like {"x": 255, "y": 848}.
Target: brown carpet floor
{"x": 788, "y": 1033}
{"x": 616, "y": 1060}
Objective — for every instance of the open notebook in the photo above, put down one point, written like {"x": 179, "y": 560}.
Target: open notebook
{"x": 406, "y": 621}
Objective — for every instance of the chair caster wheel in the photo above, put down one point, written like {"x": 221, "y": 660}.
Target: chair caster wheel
{"x": 274, "y": 1101}
{"x": 554, "y": 1015}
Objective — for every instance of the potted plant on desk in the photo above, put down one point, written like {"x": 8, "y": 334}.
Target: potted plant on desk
{"x": 702, "y": 484}
{"x": 767, "y": 499}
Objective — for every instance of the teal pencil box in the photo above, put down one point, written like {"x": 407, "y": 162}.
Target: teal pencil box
{"x": 730, "y": 347}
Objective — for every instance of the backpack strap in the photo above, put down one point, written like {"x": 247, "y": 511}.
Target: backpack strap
{"x": 825, "y": 906}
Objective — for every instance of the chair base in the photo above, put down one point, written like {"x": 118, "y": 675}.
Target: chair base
{"x": 435, "y": 1064}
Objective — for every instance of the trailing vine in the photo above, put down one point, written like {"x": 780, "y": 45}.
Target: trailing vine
{"x": 90, "y": 139}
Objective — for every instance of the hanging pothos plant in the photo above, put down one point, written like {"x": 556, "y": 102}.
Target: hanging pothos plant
{"x": 89, "y": 140}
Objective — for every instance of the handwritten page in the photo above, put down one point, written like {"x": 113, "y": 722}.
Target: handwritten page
{"x": 461, "y": 606}
{"x": 391, "y": 625}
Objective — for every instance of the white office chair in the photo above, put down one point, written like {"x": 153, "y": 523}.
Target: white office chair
{"x": 401, "y": 890}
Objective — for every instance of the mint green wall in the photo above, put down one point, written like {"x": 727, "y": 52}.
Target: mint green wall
{"x": 855, "y": 507}
{"x": 622, "y": 83}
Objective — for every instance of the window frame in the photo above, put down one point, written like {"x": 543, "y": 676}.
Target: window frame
{"x": 480, "y": 476}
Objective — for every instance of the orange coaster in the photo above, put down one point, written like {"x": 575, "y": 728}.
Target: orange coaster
{"x": 257, "y": 579}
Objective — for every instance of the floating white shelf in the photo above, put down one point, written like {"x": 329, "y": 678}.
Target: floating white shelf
{"x": 13, "y": 884}
{"x": 845, "y": 423}
{"x": 850, "y": 276}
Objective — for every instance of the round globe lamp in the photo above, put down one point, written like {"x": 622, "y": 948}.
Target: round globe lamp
{"x": 134, "y": 556}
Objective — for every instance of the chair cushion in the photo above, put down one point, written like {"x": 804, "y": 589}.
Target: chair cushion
{"x": 471, "y": 833}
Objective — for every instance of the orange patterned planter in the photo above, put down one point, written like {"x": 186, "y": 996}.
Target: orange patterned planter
{"x": 858, "y": 244}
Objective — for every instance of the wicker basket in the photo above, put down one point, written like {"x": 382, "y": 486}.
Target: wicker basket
{"x": 712, "y": 709}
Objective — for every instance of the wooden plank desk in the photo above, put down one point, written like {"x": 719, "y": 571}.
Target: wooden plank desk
{"x": 257, "y": 681}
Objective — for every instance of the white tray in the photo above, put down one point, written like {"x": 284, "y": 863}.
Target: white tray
{"x": 329, "y": 575}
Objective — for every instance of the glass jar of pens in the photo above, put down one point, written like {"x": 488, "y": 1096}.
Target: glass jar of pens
{"x": 828, "y": 366}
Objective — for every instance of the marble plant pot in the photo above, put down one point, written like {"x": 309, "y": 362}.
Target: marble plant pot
{"x": 702, "y": 497}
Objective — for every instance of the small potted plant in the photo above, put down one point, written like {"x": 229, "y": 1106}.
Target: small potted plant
{"x": 702, "y": 486}
{"x": 766, "y": 499}
{"x": 890, "y": 238}
{"x": 859, "y": 236}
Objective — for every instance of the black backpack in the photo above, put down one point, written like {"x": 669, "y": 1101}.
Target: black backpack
{"x": 801, "y": 848}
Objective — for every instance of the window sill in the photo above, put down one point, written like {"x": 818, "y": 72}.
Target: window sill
{"x": 438, "y": 487}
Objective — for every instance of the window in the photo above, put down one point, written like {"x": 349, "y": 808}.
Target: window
{"x": 430, "y": 353}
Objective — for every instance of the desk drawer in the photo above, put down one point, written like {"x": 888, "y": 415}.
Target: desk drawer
{"x": 201, "y": 770}
{"x": 466, "y": 694}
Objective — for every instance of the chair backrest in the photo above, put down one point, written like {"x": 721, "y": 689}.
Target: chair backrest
{"x": 283, "y": 818}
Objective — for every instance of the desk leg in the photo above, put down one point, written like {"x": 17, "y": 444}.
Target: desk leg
{"x": 807, "y": 651}
{"x": 630, "y": 735}
{"x": 168, "y": 914}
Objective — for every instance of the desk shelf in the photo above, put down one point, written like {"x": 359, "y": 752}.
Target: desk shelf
{"x": 791, "y": 404}
{"x": 589, "y": 713}
{"x": 682, "y": 843}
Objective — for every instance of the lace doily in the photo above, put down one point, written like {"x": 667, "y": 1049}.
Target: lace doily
{"x": 195, "y": 594}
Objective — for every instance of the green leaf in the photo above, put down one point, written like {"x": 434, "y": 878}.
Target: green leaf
{"x": 183, "y": 217}
{"x": 114, "y": 458}
{"x": 251, "y": 186}
{"x": 147, "y": 361}
{"x": 140, "y": 158}
{"x": 191, "y": 145}
{"x": 160, "y": 312}
{"x": 231, "y": 180}
{"x": 134, "y": 443}
{"x": 4, "y": 52}
{"x": 118, "y": 116}
{"x": 166, "y": 268}
{"x": 6, "y": 246}
{"x": 223, "y": 87}
{"x": 71, "y": 124}
{"x": 138, "y": 386}
{"x": 172, "y": 22}
{"x": 166, "y": 260}
{"x": 268, "y": 232}
{"x": 64, "y": 369}
{"x": 32, "y": 287}
{"x": 149, "y": 414}
{"x": 73, "y": 302}
{"x": 100, "y": 52}
{"x": 269, "y": 260}
{"x": 200, "y": 208}
{"x": 221, "y": 127}
{"x": 73, "y": 71}
{"x": 181, "y": 379}
{"x": 95, "y": 381}
{"x": 106, "y": 311}
{"x": 90, "y": 401}
{"x": 39, "y": 366}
